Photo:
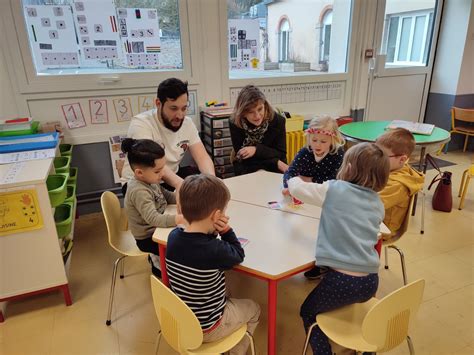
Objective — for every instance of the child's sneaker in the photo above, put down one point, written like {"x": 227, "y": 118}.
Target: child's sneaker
{"x": 316, "y": 272}
{"x": 154, "y": 270}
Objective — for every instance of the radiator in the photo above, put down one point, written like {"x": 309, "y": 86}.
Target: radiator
{"x": 294, "y": 142}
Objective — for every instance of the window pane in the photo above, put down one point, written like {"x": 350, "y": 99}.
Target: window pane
{"x": 103, "y": 36}
{"x": 404, "y": 39}
{"x": 392, "y": 39}
{"x": 428, "y": 38}
{"x": 283, "y": 37}
{"x": 418, "y": 38}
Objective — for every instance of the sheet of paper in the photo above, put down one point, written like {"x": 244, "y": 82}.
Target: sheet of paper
{"x": 12, "y": 173}
{"x": 15, "y": 157}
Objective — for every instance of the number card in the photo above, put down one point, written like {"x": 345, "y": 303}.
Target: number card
{"x": 123, "y": 109}
{"x": 145, "y": 103}
{"x": 98, "y": 110}
{"x": 74, "y": 115}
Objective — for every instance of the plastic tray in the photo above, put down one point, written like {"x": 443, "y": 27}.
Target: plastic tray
{"x": 56, "y": 184}
{"x": 61, "y": 164}
{"x": 65, "y": 149}
{"x": 33, "y": 129}
{"x": 70, "y": 192}
{"x": 72, "y": 175}
{"x": 63, "y": 216}
{"x": 294, "y": 123}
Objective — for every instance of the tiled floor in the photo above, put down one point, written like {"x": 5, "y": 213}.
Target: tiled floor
{"x": 443, "y": 256}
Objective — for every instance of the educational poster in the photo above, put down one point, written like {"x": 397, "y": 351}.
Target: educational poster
{"x": 192, "y": 103}
{"x": 117, "y": 157}
{"x": 52, "y": 36}
{"x": 98, "y": 111}
{"x": 145, "y": 103}
{"x": 244, "y": 43}
{"x": 73, "y": 115}
{"x": 140, "y": 36}
{"x": 123, "y": 109}
{"x": 19, "y": 212}
{"x": 97, "y": 30}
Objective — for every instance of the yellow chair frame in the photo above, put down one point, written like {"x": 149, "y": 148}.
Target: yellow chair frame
{"x": 375, "y": 325}
{"x": 181, "y": 328}
{"x": 120, "y": 239}
{"x": 466, "y": 177}
{"x": 463, "y": 115}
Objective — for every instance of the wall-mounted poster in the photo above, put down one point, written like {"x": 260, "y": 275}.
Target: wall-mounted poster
{"x": 73, "y": 115}
{"x": 52, "y": 36}
{"x": 98, "y": 110}
{"x": 123, "y": 109}
{"x": 117, "y": 157}
{"x": 97, "y": 30}
{"x": 244, "y": 44}
{"x": 140, "y": 34}
{"x": 145, "y": 103}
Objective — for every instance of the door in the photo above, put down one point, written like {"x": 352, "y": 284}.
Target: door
{"x": 399, "y": 75}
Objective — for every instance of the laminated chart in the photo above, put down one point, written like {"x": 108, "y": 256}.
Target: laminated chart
{"x": 140, "y": 35}
{"x": 97, "y": 30}
{"x": 244, "y": 44}
{"x": 52, "y": 36}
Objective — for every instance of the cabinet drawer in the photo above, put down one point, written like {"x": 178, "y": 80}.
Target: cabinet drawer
{"x": 217, "y": 143}
{"x": 221, "y": 122}
{"x": 216, "y": 132}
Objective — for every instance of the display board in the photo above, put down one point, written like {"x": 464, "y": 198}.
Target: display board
{"x": 140, "y": 35}
{"x": 51, "y": 29}
{"x": 97, "y": 30}
{"x": 244, "y": 43}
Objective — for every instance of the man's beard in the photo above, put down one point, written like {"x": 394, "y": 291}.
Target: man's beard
{"x": 167, "y": 123}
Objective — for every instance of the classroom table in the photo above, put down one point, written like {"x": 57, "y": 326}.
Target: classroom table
{"x": 262, "y": 187}
{"x": 289, "y": 238}
{"x": 369, "y": 131}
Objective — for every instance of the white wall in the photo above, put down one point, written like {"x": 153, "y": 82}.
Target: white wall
{"x": 466, "y": 78}
{"x": 451, "y": 45}
{"x": 397, "y": 6}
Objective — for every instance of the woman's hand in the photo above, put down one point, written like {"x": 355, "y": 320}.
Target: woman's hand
{"x": 246, "y": 152}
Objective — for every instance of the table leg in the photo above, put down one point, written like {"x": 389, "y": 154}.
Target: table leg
{"x": 66, "y": 294}
{"x": 272, "y": 304}
{"x": 164, "y": 274}
{"x": 1, "y": 317}
{"x": 421, "y": 168}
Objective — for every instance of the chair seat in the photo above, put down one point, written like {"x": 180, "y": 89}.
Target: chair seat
{"x": 222, "y": 345}
{"x": 344, "y": 325}
{"x": 126, "y": 244}
{"x": 463, "y": 129}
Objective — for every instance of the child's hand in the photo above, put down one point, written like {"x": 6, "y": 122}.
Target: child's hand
{"x": 221, "y": 225}
{"x": 179, "y": 219}
{"x": 285, "y": 192}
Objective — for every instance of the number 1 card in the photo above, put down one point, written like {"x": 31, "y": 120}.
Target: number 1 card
{"x": 74, "y": 115}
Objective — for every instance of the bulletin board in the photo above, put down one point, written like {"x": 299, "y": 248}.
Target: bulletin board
{"x": 51, "y": 29}
{"x": 140, "y": 35}
{"x": 97, "y": 30}
{"x": 244, "y": 43}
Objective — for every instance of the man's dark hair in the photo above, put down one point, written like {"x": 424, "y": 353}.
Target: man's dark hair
{"x": 171, "y": 89}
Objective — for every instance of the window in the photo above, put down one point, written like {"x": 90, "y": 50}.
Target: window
{"x": 281, "y": 38}
{"x": 108, "y": 36}
{"x": 407, "y": 38}
{"x": 325, "y": 42}
{"x": 284, "y": 41}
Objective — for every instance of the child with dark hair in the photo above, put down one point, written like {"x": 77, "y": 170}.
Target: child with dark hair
{"x": 146, "y": 200}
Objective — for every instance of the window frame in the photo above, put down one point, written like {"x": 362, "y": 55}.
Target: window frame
{"x": 284, "y": 41}
{"x": 28, "y": 81}
{"x": 322, "y": 45}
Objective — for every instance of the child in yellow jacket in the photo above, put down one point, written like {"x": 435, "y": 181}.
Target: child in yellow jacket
{"x": 403, "y": 181}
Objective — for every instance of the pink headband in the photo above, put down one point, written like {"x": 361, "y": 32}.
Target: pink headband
{"x": 320, "y": 131}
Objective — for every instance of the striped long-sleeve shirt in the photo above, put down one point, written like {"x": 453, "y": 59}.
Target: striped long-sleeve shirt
{"x": 195, "y": 263}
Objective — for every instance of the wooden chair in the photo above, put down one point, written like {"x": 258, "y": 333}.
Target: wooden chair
{"x": 375, "y": 325}
{"x": 181, "y": 328}
{"x": 466, "y": 177}
{"x": 120, "y": 239}
{"x": 390, "y": 243}
{"x": 462, "y": 121}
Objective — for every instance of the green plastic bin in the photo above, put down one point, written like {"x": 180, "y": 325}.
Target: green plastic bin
{"x": 56, "y": 184}
{"x": 63, "y": 216}
{"x": 70, "y": 192}
{"x": 65, "y": 150}
{"x": 21, "y": 132}
{"x": 61, "y": 164}
{"x": 72, "y": 175}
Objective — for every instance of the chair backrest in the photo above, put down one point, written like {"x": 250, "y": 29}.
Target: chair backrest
{"x": 179, "y": 325}
{"x": 386, "y": 324}
{"x": 114, "y": 218}
{"x": 461, "y": 114}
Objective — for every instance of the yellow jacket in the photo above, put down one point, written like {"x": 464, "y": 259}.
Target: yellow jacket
{"x": 401, "y": 185}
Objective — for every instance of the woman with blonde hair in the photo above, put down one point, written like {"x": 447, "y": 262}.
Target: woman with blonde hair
{"x": 258, "y": 134}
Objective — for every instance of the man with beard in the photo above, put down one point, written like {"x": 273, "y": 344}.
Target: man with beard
{"x": 169, "y": 126}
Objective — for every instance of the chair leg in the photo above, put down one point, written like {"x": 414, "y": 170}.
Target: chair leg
{"x": 402, "y": 261}
{"x": 122, "y": 268}
{"x": 386, "y": 257}
{"x": 465, "y": 143}
{"x": 157, "y": 344}
{"x": 410, "y": 345}
{"x": 466, "y": 185}
{"x": 462, "y": 182}
{"x": 422, "y": 229}
{"x": 252, "y": 342}
{"x": 112, "y": 289}
{"x": 306, "y": 342}
{"x": 440, "y": 149}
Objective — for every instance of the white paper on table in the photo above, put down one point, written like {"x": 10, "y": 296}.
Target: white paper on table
{"x": 12, "y": 173}
{"x": 15, "y": 157}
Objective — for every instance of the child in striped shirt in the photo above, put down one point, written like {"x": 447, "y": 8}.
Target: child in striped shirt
{"x": 196, "y": 260}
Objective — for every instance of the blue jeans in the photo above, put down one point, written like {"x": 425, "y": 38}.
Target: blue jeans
{"x": 334, "y": 291}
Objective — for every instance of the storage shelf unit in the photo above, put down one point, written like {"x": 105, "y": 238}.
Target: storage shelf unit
{"x": 216, "y": 138}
